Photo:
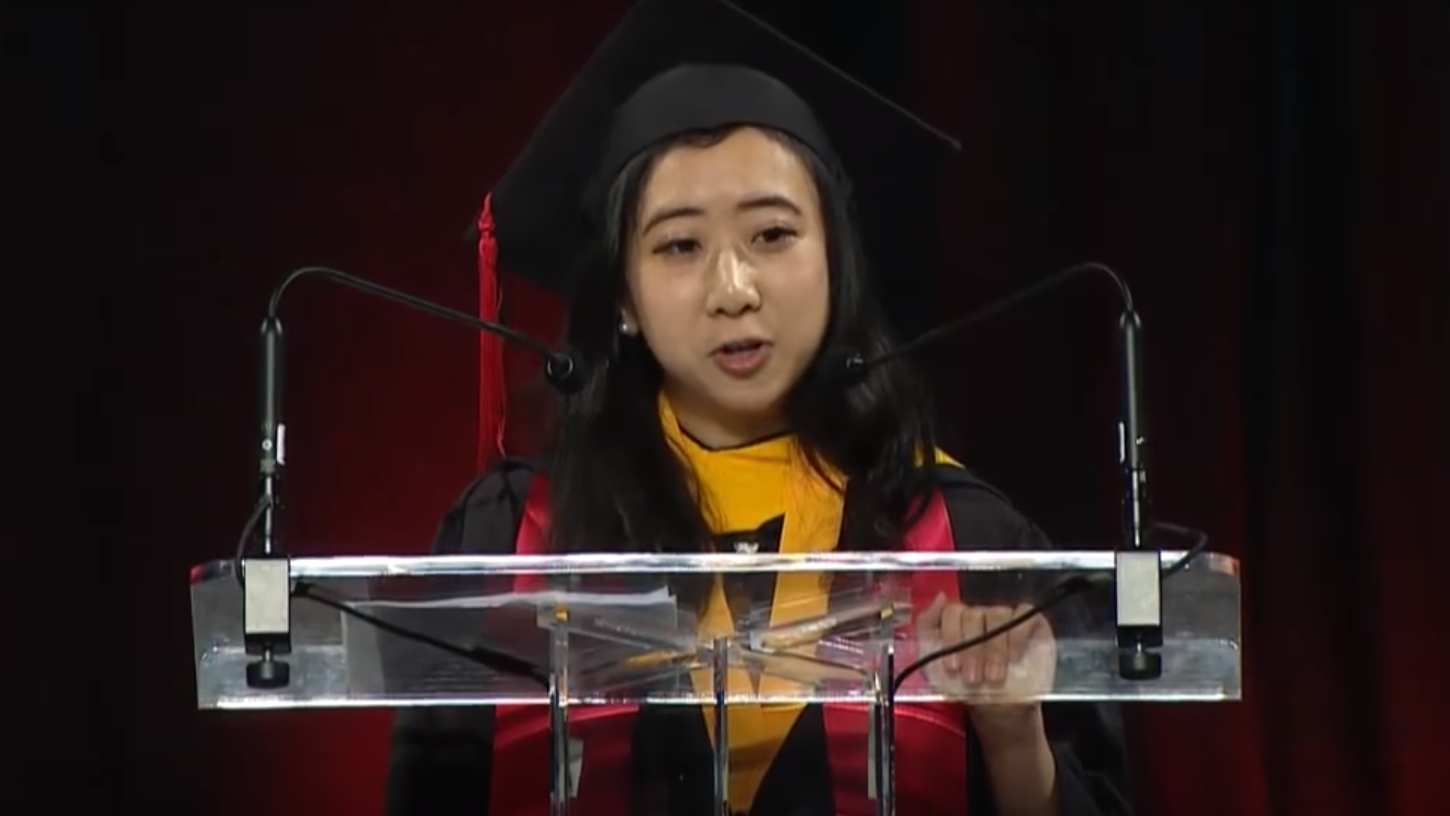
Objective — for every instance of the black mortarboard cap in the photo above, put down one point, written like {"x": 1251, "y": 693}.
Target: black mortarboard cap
{"x": 678, "y": 65}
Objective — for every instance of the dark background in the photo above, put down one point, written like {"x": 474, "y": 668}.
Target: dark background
{"x": 1272, "y": 178}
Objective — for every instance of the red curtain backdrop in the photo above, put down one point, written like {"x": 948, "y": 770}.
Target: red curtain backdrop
{"x": 1271, "y": 178}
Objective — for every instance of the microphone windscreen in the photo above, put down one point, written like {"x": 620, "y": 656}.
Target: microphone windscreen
{"x": 565, "y": 373}
{"x": 844, "y": 367}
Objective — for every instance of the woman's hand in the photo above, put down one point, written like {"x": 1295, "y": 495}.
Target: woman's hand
{"x": 996, "y": 679}
{"x": 1003, "y": 671}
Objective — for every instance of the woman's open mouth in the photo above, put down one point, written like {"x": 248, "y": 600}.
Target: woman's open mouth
{"x": 742, "y": 358}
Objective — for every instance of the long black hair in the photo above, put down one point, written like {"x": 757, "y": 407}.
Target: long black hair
{"x": 616, "y": 483}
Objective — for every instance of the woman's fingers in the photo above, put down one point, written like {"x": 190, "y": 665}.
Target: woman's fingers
{"x": 996, "y": 652}
{"x": 952, "y": 633}
{"x": 987, "y": 662}
{"x": 947, "y": 623}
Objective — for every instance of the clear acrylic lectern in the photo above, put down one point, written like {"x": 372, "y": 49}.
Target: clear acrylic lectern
{"x": 637, "y": 630}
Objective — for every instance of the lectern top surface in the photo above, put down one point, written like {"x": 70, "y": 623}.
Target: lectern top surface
{"x": 363, "y": 566}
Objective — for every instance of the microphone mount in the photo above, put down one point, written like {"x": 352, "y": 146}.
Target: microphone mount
{"x": 1138, "y": 572}
{"x": 265, "y": 575}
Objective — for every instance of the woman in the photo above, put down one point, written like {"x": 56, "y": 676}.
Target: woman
{"x": 714, "y": 287}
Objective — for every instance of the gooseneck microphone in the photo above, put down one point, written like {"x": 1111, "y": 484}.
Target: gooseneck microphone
{"x": 1138, "y": 568}
{"x": 855, "y": 365}
{"x": 265, "y": 576}
{"x": 559, "y": 368}
{"x": 1139, "y": 600}
{"x": 266, "y": 580}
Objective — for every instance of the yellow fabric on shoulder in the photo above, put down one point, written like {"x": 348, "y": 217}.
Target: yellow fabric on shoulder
{"x": 739, "y": 490}
{"x": 943, "y": 458}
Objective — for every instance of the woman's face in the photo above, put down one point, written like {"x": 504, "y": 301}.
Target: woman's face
{"x": 727, "y": 281}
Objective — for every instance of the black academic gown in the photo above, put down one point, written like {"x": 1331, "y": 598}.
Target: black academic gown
{"x": 441, "y": 757}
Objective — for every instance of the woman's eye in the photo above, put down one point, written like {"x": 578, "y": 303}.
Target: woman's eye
{"x": 678, "y": 246}
{"x": 776, "y": 235}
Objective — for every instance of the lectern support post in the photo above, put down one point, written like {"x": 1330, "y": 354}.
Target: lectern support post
{"x": 883, "y": 733}
{"x": 720, "y": 669}
{"x": 561, "y": 787}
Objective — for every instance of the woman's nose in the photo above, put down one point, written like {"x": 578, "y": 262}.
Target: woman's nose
{"x": 733, "y": 287}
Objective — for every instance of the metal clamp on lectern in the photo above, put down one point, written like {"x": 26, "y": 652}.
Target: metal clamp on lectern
{"x": 1139, "y": 608}
{"x": 267, "y": 618}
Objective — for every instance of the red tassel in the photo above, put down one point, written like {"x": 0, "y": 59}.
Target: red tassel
{"x": 492, "y": 400}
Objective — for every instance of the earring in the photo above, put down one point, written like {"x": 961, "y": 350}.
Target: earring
{"x": 623, "y": 326}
